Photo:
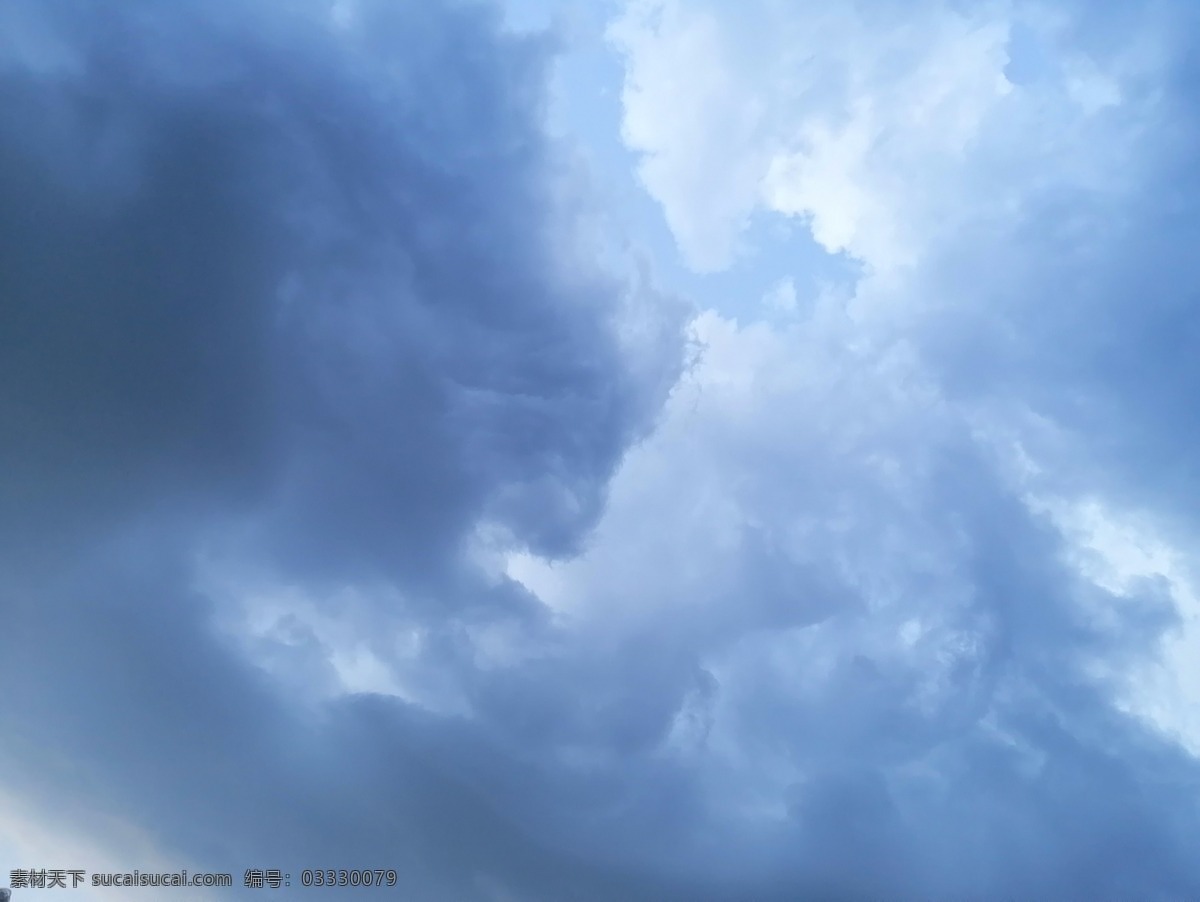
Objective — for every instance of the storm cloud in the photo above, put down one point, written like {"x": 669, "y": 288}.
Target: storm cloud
{"x": 308, "y": 297}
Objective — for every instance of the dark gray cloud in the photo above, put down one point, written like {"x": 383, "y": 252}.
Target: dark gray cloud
{"x": 309, "y": 298}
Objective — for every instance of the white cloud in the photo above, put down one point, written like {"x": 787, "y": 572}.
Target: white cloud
{"x": 875, "y": 129}
{"x": 871, "y": 177}
{"x": 688, "y": 111}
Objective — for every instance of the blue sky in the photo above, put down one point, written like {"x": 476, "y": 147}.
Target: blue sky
{"x": 632, "y": 450}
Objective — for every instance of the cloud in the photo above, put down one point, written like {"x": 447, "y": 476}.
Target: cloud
{"x": 357, "y": 516}
{"x": 711, "y": 124}
{"x": 295, "y": 301}
{"x": 871, "y": 122}
{"x": 902, "y": 445}
{"x": 865, "y": 623}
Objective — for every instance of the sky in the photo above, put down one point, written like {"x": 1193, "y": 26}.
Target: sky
{"x": 621, "y": 450}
